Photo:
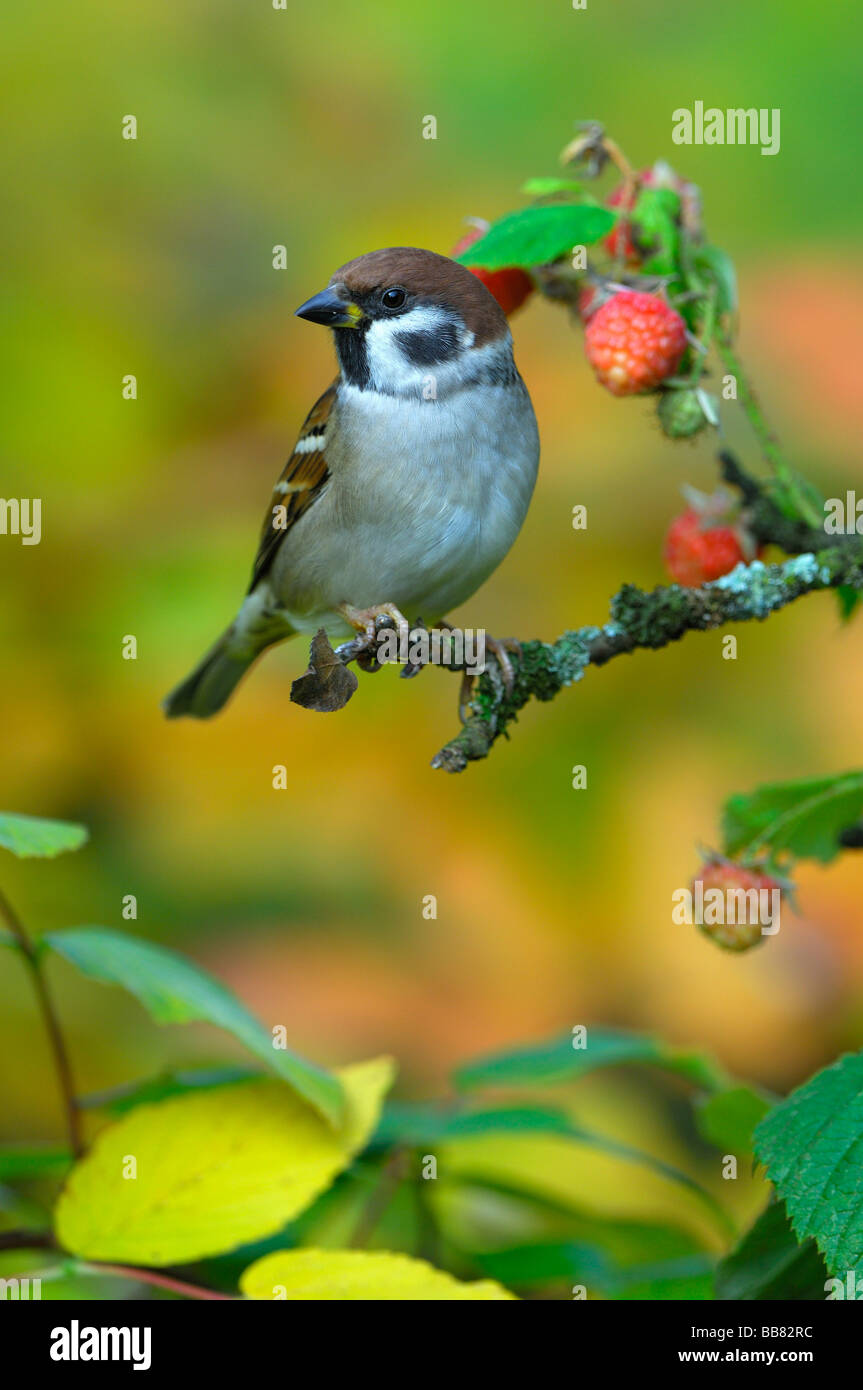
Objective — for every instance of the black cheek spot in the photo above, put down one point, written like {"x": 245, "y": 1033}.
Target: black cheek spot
{"x": 428, "y": 347}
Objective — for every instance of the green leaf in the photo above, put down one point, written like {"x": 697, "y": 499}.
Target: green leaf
{"x": 812, "y": 1146}
{"x": 357, "y": 1275}
{"x": 770, "y": 1263}
{"x": 718, "y": 267}
{"x": 728, "y": 1118}
{"x": 212, "y": 1170}
{"x": 803, "y": 818}
{"x": 427, "y": 1124}
{"x": 549, "y": 1262}
{"x": 121, "y": 1099}
{"x": 543, "y": 188}
{"x": 689, "y": 1280}
{"x": 17, "y": 1163}
{"x": 537, "y": 235}
{"x": 421, "y": 1126}
{"x": 30, "y": 837}
{"x": 173, "y": 990}
{"x": 849, "y": 600}
{"x": 556, "y": 1061}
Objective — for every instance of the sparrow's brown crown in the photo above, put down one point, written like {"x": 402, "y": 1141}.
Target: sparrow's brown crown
{"x": 432, "y": 279}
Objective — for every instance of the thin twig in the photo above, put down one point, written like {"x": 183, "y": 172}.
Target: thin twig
{"x": 158, "y": 1281}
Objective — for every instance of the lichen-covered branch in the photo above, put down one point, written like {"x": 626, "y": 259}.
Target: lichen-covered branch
{"x": 644, "y": 620}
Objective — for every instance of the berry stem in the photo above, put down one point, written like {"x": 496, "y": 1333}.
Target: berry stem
{"x": 765, "y": 436}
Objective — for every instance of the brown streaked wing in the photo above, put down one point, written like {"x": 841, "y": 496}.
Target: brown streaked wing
{"x": 301, "y": 481}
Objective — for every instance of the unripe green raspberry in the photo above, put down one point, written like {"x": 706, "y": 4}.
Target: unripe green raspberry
{"x": 680, "y": 414}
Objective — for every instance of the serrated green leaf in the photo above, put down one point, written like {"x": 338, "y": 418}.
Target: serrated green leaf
{"x": 812, "y": 1147}
{"x": 537, "y": 235}
{"x": 728, "y": 1118}
{"x": 770, "y": 1263}
{"x": 212, "y": 1170}
{"x": 30, "y": 837}
{"x": 349, "y": 1275}
{"x": 803, "y": 818}
{"x": 556, "y": 1061}
{"x": 718, "y": 267}
{"x": 173, "y": 990}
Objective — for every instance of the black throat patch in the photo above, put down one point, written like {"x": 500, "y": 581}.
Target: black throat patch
{"x": 352, "y": 352}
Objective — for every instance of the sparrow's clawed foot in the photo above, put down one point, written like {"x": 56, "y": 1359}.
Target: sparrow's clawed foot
{"x": 500, "y": 648}
{"x": 369, "y": 623}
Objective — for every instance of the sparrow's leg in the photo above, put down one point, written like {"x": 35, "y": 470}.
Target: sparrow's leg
{"x": 500, "y": 648}
{"x": 368, "y": 623}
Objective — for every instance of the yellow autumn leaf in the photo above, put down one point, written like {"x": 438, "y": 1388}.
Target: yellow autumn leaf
{"x": 197, "y": 1175}
{"x": 345, "y": 1275}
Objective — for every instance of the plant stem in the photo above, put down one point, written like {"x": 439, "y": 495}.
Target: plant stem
{"x": 158, "y": 1281}
{"x": 765, "y": 436}
{"x": 52, "y": 1025}
{"x": 391, "y": 1175}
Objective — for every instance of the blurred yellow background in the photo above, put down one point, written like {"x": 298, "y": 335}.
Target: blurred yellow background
{"x": 303, "y": 127}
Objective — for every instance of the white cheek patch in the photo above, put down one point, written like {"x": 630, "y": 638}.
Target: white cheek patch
{"x": 390, "y": 365}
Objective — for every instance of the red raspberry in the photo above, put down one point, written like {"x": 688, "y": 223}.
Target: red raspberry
{"x": 750, "y": 914}
{"x": 696, "y": 551}
{"x": 510, "y": 287}
{"x": 634, "y": 342}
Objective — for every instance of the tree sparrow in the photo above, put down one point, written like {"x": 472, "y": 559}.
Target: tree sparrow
{"x": 412, "y": 474}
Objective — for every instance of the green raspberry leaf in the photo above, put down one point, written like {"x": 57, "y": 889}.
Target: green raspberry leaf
{"x": 537, "y": 235}
{"x": 770, "y": 1263}
{"x": 31, "y": 837}
{"x": 803, "y": 818}
{"x": 812, "y": 1147}
{"x": 173, "y": 990}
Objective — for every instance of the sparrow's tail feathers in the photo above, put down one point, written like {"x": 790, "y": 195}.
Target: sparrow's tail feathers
{"x": 214, "y": 680}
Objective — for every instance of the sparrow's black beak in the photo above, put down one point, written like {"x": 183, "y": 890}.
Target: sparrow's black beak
{"x": 330, "y": 310}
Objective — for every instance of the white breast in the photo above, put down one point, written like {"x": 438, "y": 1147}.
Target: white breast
{"x": 426, "y": 498}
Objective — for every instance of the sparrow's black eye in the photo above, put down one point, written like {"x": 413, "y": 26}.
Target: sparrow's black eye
{"x": 394, "y": 297}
